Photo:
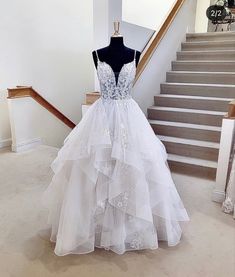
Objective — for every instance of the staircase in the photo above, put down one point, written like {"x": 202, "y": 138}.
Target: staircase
{"x": 187, "y": 114}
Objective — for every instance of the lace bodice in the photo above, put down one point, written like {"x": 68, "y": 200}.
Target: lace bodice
{"x": 110, "y": 89}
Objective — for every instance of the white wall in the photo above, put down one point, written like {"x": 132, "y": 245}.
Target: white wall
{"x": 201, "y": 22}
{"x": 50, "y": 48}
{"x": 146, "y": 13}
{"x": 48, "y": 44}
{"x": 5, "y": 132}
{"x": 105, "y": 13}
{"x": 101, "y": 29}
{"x": 31, "y": 124}
{"x": 154, "y": 74}
{"x": 135, "y": 36}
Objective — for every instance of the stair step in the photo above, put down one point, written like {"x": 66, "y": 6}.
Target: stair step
{"x": 210, "y": 36}
{"x": 201, "y": 77}
{"x": 208, "y": 45}
{"x": 211, "y": 90}
{"x": 192, "y": 166}
{"x": 192, "y": 102}
{"x": 216, "y": 55}
{"x": 209, "y": 66}
{"x": 193, "y": 142}
{"x": 188, "y": 113}
{"x": 205, "y": 117}
{"x": 191, "y": 148}
{"x": 186, "y": 130}
{"x": 193, "y": 161}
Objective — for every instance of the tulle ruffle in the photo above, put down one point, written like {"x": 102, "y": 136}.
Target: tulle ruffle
{"x": 112, "y": 187}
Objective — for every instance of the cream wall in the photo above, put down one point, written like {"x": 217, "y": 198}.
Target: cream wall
{"x": 201, "y": 21}
{"x": 48, "y": 44}
{"x": 154, "y": 74}
{"x": 146, "y": 13}
{"x": 101, "y": 29}
{"x": 135, "y": 36}
{"x": 5, "y": 133}
{"x": 31, "y": 125}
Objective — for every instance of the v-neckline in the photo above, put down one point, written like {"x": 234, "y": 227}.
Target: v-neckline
{"x": 116, "y": 82}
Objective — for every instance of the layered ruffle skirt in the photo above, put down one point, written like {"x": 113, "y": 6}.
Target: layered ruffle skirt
{"x": 112, "y": 187}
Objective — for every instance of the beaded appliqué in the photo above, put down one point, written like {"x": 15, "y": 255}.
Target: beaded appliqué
{"x": 110, "y": 90}
{"x": 136, "y": 242}
{"x": 122, "y": 200}
{"x": 122, "y": 136}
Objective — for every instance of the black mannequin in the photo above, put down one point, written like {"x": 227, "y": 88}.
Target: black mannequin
{"x": 116, "y": 54}
{"x": 231, "y": 3}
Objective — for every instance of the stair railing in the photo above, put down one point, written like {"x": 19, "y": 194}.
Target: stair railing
{"x": 231, "y": 115}
{"x": 24, "y": 91}
{"x": 225, "y": 158}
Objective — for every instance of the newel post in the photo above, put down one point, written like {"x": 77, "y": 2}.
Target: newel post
{"x": 226, "y": 144}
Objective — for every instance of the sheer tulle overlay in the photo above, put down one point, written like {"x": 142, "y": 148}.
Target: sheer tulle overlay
{"x": 112, "y": 187}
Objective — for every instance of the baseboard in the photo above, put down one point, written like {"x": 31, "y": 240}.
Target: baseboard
{"x": 218, "y": 196}
{"x": 26, "y": 145}
{"x": 5, "y": 143}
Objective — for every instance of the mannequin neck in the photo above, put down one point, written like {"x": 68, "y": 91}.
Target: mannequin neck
{"x": 116, "y": 42}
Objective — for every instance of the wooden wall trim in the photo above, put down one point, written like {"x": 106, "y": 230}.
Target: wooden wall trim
{"x": 21, "y": 91}
{"x": 151, "y": 47}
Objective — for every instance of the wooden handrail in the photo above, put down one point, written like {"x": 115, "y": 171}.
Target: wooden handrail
{"x": 151, "y": 47}
{"x": 23, "y": 91}
{"x": 231, "y": 110}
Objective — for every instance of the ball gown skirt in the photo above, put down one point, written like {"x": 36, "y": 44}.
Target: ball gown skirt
{"x": 112, "y": 187}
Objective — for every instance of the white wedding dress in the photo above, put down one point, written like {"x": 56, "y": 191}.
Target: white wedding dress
{"x": 112, "y": 187}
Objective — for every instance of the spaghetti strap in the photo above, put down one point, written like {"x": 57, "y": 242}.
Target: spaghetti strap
{"x": 135, "y": 55}
{"x": 97, "y": 55}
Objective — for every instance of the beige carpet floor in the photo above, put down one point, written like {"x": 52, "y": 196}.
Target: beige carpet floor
{"x": 207, "y": 248}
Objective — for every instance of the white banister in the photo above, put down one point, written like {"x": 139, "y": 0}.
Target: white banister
{"x": 226, "y": 140}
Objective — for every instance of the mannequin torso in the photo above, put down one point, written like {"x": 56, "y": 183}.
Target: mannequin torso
{"x": 116, "y": 54}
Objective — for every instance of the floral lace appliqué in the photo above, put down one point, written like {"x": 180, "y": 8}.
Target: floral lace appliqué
{"x": 110, "y": 90}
